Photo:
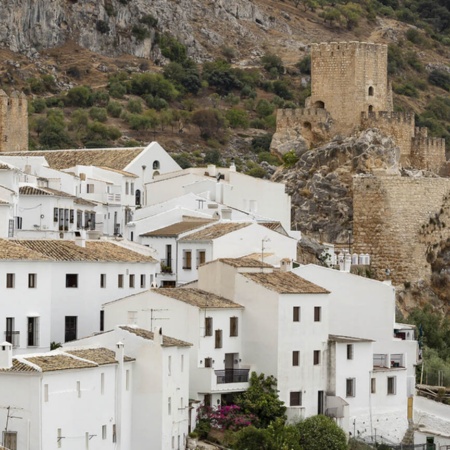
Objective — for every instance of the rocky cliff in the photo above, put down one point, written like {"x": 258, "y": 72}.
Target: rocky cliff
{"x": 106, "y": 27}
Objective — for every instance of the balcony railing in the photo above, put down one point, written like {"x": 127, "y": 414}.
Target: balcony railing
{"x": 232, "y": 376}
{"x": 166, "y": 266}
{"x": 13, "y": 337}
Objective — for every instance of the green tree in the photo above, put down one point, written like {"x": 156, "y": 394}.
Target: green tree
{"x": 153, "y": 83}
{"x": 261, "y": 399}
{"x": 321, "y": 432}
{"x": 272, "y": 63}
{"x": 237, "y": 118}
{"x": 53, "y": 134}
{"x": 80, "y": 96}
{"x": 209, "y": 121}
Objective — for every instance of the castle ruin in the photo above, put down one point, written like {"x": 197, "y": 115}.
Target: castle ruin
{"x": 350, "y": 92}
{"x": 13, "y": 122}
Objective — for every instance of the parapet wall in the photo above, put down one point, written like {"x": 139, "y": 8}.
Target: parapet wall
{"x": 398, "y": 125}
{"x": 428, "y": 153}
{"x": 13, "y": 122}
{"x": 390, "y": 214}
{"x": 287, "y": 118}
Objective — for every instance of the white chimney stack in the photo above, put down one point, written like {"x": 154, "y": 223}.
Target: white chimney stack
{"x": 158, "y": 336}
{"x": 80, "y": 238}
{"x": 5, "y": 355}
{"x": 286, "y": 265}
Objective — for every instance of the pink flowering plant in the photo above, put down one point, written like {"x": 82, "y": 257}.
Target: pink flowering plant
{"x": 226, "y": 417}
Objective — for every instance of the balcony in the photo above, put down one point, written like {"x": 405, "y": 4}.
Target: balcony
{"x": 232, "y": 376}
{"x": 13, "y": 337}
{"x": 112, "y": 198}
{"x": 166, "y": 266}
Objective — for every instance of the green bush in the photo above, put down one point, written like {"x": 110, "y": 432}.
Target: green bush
{"x": 140, "y": 32}
{"x": 154, "y": 84}
{"x": 38, "y": 105}
{"x": 98, "y": 114}
{"x": 268, "y": 157}
{"x": 80, "y": 96}
{"x": 237, "y": 118}
{"x": 221, "y": 76}
{"x": 440, "y": 79}
{"x": 134, "y": 106}
{"x": 321, "y": 432}
{"x": 114, "y": 109}
{"x": 304, "y": 65}
{"x": 290, "y": 159}
{"x": 149, "y": 20}
{"x": 155, "y": 102}
{"x": 264, "y": 108}
{"x": 117, "y": 89}
{"x": 406, "y": 89}
{"x": 261, "y": 143}
{"x": 171, "y": 48}
{"x": 272, "y": 63}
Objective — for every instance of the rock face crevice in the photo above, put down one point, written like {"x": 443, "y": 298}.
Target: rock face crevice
{"x": 27, "y": 26}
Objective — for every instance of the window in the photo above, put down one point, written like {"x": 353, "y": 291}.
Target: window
{"x": 373, "y": 385}
{"x": 71, "y": 280}
{"x": 370, "y": 91}
{"x": 296, "y": 313}
{"x": 218, "y": 340}
{"x": 349, "y": 351}
{"x": 317, "y": 313}
{"x": 169, "y": 406}
{"x": 102, "y": 320}
{"x": 10, "y": 278}
{"x": 156, "y": 165}
{"x": 187, "y": 259}
{"x": 11, "y": 335}
{"x": 169, "y": 365}
{"x": 142, "y": 281}
{"x": 120, "y": 280}
{"x": 18, "y": 222}
{"x": 127, "y": 188}
{"x": 102, "y": 383}
{"x": 103, "y": 280}
{"x": 207, "y": 399}
{"x": 32, "y": 280}
{"x": 114, "y": 433}
{"x": 350, "y": 387}
{"x": 233, "y": 326}
{"x": 46, "y": 393}
{"x": 79, "y": 389}
{"x": 66, "y": 220}
{"x": 295, "y": 358}
{"x": 295, "y": 398}
{"x": 201, "y": 257}
{"x": 70, "y": 331}
{"x": 316, "y": 357}
{"x": 131, "y": 281}
{"x": 208, "y": 326}
{"x": 182, "y": 363}
{"x": 208, "y": 362}
{"x": 72, "y": 216}
{"x": 391, "y": 385}
{"x": 79, "y": 219}
{"x": 33, "y": 332}
{"x": 104, "y": 432}
{"x": 132, "y": 188}
{"x": 89, "y": 188}
{"x": 55, "y": 214}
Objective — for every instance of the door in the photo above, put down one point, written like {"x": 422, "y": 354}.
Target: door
{"x": 9, "y": 330}
{"x": 229, "y": 367}
{"x": 33, "y": 331}
{"x": 320, "y": 402}
{"x": 70, "y": 332}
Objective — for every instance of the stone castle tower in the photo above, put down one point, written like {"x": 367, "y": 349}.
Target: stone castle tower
{"x": 13, "y": 122}
{"x": 348, "y": 78}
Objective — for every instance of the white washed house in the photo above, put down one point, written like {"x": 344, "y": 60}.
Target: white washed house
{"x": 159, "y": 385}
{"x": 71, "y": 399}
{"x": 52, "y": 290}
{"x": 213, "y": 324}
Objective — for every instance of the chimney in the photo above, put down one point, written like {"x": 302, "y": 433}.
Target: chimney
{"x": 211, "y": 170}
{"x": 286, "y": 265}
{"x": 158, "y": 336}
{"x": 5, "y": 355}
{"x": 80, "y": 238}
{"x": 226, "y": 213}
{"x": 232, "y": 166}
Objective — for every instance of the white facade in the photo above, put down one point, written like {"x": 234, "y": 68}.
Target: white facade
{"x": 70, "y": 401}
{"x": 217, "y": 364}
{"x": 159, "y": 386}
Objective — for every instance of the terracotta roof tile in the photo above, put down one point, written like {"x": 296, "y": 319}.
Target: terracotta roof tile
{"x": 246, "y": 261}
{"x": 99, "y": 355}
{"x": 55, "y": 250}
{"x": 82, "y": 201}
{"x": 50, "y": 363}
{"x": 19, "y": 366}
{"x": 121, "y": 172}
{"x": 197, "y": 297}
{"x": 149, "y": 335}
{"x": 114, "y": 158}
{"x": 215, "y": 231}
{"x": 32, "y": 190}
{"x": 178, "y": 228}
{"x": 285, "y": 283}
{"x": 347, "y": 339}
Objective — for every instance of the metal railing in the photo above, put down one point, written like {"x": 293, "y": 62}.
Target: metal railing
{"x": 232, "y": 376}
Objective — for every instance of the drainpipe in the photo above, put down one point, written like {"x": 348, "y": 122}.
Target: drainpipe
{"x": 119, "y": 393}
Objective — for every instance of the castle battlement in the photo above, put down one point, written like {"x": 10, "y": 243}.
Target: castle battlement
{"x": 302, "y": 112}
{"x": 387, "y": 116}
{"x": 339, "y": 49}
{"x": 421, "y": 132}
{"x": 429, "y": 143}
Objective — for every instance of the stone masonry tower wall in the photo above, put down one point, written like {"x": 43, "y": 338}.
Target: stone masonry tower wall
{"x": 348, "y": 78}
{"x": 392, "y": 216}
{"x": 13, "y": 122}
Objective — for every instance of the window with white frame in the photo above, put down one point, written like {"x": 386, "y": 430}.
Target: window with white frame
{"x": 89, "y": 188}
{"x": 391, "y": 385}
{"x": 349, "y": 351}
{"x": 295, "y": 358}
{"x": 317, "y": 313}
{"x": 10, "y": 280}
{"x": 187, "y": 259}
{"x": 32, "y": 280}
{"x": 295, "y": 398}
{"x": 373, "y": 385}
{"x": 316, "y": 357}
{"x": 296, "y": 314}
{"x": 350, "y": 386}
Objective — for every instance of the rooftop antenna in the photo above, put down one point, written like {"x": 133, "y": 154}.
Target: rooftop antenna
{"x": 152, "y": 318}
{"x": 264, "y": 239}
{"x": 9, "y": 416}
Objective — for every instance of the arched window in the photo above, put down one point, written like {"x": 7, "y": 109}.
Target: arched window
{"x": 137, "y": 196}
{"x": 307, "y": 125}
{"x": 370, "y": 91}
{"x": 370, "y": 108}
{"x": 156, "y": 165}
{"x": 319, "y": 104}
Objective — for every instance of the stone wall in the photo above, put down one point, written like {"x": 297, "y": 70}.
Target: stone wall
{"x": 13, "y": 122}
{"x": 348, "y": 78}
{"x": 392, "y": 219}
{"x": 428, "y": 153}
{"x": 398, "y": 125}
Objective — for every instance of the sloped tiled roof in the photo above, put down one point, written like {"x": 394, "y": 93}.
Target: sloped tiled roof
{"x": 3, "y": 202}
{"x": 113, "y": 158}
{"x": 199, "y": 298}
{"x": 82, "y": 201}
{"x": 50, "y": 363}
{"x": 149, "y": 335}
{"x": 285, "y": 283}
{"x": 215, "y": 231}
{"x": 121, "y": 172}
{"x": 347, "y": 339}
{"x": 19, "y": 366}
{"x": 99, "y": 355}
{"x": 33, "y": 190}
{"x": 178, "y": 228}
{"x": 55, "y": 250}
{"x": 246, "y": 261}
